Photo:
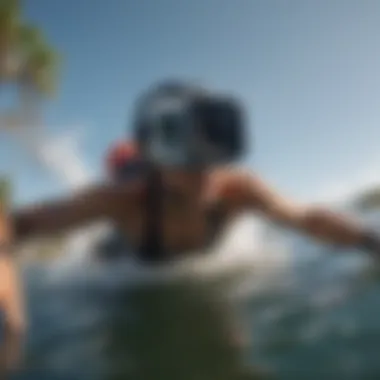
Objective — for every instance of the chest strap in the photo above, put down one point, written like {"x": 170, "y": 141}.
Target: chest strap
{"x": 152, "y": 247}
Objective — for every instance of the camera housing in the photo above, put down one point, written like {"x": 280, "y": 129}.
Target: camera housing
{"x": 180, "y": 126}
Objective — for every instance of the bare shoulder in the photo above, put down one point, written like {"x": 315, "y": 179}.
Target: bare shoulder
{"x": 236, "y": 184}
{"x": 247, "y": 190}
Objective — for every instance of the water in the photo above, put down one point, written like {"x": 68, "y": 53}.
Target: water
{"x": 318, "y": 320}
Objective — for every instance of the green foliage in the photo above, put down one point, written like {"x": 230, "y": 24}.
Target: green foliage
{"x": 26, "y": 57}
{"x": 40, "y": 61}
{"x": 9, "y": 14}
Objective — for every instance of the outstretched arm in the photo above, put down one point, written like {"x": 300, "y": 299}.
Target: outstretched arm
{"x": 250, "y": 191}
{"x": 57, "y": 216}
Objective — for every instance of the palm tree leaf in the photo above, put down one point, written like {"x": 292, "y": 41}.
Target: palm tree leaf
{"x": 41, "y": 69}
{"x": 9, "y": 26}
{"x": 40, "y": 61}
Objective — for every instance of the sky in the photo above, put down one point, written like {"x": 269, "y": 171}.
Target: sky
{"x": 308, "y": 73}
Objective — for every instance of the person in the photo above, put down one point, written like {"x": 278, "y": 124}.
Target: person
{"x": 172, "y": 189}
{"x": 10, "y": 300}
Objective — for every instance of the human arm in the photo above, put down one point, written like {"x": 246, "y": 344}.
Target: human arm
{"x": 59, "y": 215}
{"x": 95, "y": 203}
{"x": 249, "y": 191}
{"x": 11, "y": 303}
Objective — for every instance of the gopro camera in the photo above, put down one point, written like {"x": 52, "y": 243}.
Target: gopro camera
{"x": 179, "y": 127}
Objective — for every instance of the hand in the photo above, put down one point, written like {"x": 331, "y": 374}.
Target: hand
{"x": 11, "y": 351}
{"x": 370, "y": 242}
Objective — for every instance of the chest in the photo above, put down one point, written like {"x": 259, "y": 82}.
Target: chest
{"x": 175, "y": 209}
{"x": 178, "y": 211}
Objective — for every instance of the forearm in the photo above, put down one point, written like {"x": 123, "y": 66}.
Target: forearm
{"x": 56, "y": 217}
{"x": 336, "y": 229}
{"x": 41, "y": 220}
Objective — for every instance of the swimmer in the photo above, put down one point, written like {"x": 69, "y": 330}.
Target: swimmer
{"x": 172, "y": 190}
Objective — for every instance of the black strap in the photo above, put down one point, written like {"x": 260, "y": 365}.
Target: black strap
{"x": 216, "y": 216}
{"x": 152, "y": 248}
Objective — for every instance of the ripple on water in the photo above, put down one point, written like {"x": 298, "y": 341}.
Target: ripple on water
{"x": 318, "y": 320}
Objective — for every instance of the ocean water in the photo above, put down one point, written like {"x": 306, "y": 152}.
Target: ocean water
{"x": 317, "y": 319}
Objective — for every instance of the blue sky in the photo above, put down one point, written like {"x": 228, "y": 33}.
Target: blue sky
{"x": 308, "y": 72}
